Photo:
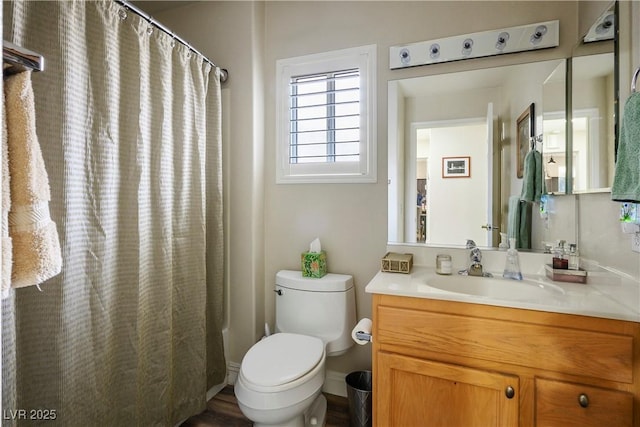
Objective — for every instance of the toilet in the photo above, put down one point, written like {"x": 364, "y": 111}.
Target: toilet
{"x": 281, "y": 376}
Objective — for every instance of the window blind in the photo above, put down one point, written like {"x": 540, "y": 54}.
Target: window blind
{"x": 325, "y": 117}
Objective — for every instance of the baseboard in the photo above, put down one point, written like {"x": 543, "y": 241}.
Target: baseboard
{"x": 334, "y": 383}
{"x": 216, "y": 389}
{"x": 233, "y": 369}
{"x": 212, "y": 392}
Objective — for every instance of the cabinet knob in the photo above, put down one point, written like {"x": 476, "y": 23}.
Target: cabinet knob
{"x": 583, "y": 399}
{"x": 509, "y": 392}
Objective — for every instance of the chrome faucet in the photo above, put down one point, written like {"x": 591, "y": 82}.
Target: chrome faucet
{"x": 475, "y": 262}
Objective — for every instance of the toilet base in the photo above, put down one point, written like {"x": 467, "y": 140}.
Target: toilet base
{"x": 317, "y": 412}
{"x": 314, "y": 416}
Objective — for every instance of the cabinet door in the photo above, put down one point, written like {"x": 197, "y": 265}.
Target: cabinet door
{"x": 416, "y": 392}
{"x": 562, "y": 404}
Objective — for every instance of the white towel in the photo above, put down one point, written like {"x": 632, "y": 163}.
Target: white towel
{"x": 36, "y": 246}
{"x": 6, "y": 205}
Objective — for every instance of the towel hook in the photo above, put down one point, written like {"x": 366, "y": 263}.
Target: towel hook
{"x": 534, "y": 140}
{"x": 634, "y": 79}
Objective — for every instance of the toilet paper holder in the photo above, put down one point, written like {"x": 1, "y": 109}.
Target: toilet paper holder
{"x": 364, "y": 336}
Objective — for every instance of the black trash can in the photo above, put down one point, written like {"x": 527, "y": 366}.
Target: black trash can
{"x": 359, "y": 393}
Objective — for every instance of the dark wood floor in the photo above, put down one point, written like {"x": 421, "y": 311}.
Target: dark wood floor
{"x": 223, "y": 411}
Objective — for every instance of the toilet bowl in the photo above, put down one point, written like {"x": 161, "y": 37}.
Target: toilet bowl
{"x": 281, "y": 376}
{"x": 280, "y": 379}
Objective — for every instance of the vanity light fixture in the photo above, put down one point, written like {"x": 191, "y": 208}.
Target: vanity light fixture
{"x": 503, "y": 38}
{"x": 538, "y": 35}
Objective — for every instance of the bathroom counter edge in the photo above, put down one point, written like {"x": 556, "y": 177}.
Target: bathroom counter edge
{"x": 603, "y": 296}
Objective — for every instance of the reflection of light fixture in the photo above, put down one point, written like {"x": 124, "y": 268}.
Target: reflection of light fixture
{"x": 467, "y": 45}
{"x": 405, "y": 57}
{"x": 537, "y": 35}
{"x": 434, "y": 51}
{"x": 603, "y": 28}
{"x": 552, "y": 168}
{"x": 502, "y": 40}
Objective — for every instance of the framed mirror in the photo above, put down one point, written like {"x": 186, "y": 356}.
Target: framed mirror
{"x": 470, "y": 117}
{"x": 590, "y": 161}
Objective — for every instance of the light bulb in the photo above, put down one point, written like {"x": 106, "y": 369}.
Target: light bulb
{"x": 434, "y": 51}
{"x": 536, "y": 37}
{"x": 405, "y": 57}
{"x": 467, "y": 46}
{"x": 503, "y": 37}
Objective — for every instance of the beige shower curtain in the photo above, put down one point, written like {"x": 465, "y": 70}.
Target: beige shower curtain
{"x": 129, "y": 124}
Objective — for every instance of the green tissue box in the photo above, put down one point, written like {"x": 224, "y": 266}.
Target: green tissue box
{"x": 314, "y": 264}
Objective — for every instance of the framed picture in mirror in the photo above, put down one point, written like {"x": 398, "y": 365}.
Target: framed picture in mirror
{"x": 456, "y": 167}
{"x": 525, "y": 129}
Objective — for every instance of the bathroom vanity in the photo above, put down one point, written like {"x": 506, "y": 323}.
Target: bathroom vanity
{"x": 441, "y": 357}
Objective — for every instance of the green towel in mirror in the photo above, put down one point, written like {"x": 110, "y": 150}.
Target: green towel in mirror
{"x": 532, "y": 179}
{"x": 519, "y": 222}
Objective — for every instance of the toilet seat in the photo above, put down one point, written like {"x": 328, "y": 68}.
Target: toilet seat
{"x": 277, "y": 361}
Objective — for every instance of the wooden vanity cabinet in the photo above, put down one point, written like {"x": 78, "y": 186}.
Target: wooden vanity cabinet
{"x": 444, "y": 363}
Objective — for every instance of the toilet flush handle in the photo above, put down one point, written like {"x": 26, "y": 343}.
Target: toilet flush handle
{"x": 278, "y": 291}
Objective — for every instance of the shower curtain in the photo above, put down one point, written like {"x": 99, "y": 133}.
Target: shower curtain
{"x": 130, "y": 124}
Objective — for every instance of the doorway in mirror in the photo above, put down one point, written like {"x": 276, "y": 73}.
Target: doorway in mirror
{"x": 450, "y": 162}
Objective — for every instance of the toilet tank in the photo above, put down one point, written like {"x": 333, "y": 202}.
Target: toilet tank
{"x": 323, "y": 308}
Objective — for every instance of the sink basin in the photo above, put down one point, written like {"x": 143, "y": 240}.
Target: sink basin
{"x": 495, "y": 287}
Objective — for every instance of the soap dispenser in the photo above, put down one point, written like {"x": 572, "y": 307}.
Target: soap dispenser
{"x": 574, "y": 257}
{"x": 512, "y": 266}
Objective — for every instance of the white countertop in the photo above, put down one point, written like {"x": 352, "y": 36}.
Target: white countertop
{"x": 605, "y": 295}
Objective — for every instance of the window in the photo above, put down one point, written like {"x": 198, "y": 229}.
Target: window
{"x": 325, "y": 117}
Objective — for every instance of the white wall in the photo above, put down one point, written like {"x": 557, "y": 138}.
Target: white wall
{"x": 269, "y": 224}
{"x": 351, "y": 219}
{"x": 600, "y": 235}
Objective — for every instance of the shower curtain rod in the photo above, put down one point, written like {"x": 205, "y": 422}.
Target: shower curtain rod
{"x": 16, "y": 59}
{"x": 224, "y": 74}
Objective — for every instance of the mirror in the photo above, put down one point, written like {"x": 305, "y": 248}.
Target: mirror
{"x": 593, "y": 104}
{"x": 453, "y": 156}
{"x": 593, "y": 122}
{"x": 554, "y": 119}
{"x": 427, "y": 206}
{"x": 592, "y": 142}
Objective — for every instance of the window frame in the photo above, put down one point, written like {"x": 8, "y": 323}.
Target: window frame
{"x": 363, "y": 171}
